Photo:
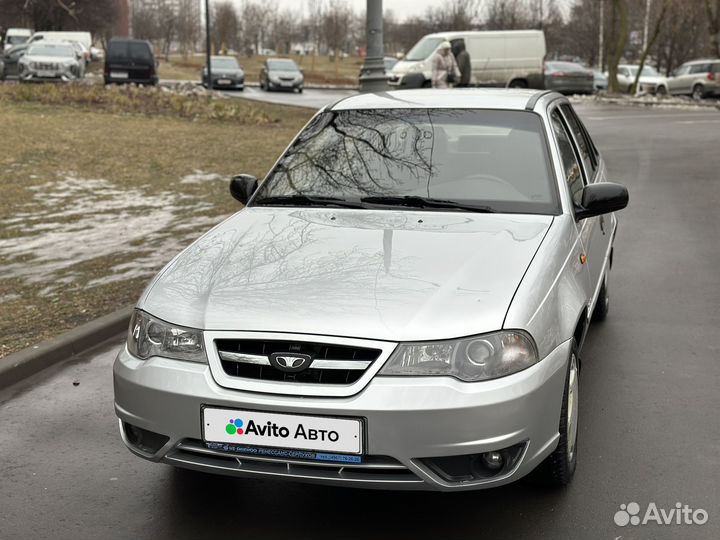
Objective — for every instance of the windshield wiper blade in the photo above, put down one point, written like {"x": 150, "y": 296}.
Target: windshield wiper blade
{"x": 306, "y": 200}
{"x": 415, "y": 201}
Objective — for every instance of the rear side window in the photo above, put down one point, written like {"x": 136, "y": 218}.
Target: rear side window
{"x": 571, "y": 166}
{"x": 700, "y": 68}
{"x": 129, "y": 51}
{"x": 583, "y": 144}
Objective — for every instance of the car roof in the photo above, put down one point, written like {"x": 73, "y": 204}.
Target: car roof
{"x": 703, "y": 61}
{"x": 465, "y": 98}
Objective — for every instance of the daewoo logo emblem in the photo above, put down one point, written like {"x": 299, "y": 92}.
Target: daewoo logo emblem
{"x": 290, "y": 362}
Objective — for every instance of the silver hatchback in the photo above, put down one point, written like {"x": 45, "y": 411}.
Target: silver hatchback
{"x": 400, "y": 304}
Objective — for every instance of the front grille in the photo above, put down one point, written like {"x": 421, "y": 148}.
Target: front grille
{"x": 193, "y": 454}
{"x": 46, "y": 66}
{"x": 330, "y": 363}
{"x": 287, "y": 79}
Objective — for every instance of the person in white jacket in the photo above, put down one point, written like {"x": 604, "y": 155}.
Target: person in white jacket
{"x": 445, "y": 69}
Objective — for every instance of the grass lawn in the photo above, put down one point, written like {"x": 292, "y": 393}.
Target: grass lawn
{"x": 94, "y": 201}
{"x": 318, "y": 70}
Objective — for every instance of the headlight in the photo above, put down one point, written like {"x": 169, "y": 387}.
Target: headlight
{"x": 148, "y": 336}
{"x": 478, "y": 358}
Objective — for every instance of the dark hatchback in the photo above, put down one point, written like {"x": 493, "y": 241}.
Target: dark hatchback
{"x": 130, "y": 61}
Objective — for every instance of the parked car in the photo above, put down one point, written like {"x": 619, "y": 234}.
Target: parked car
{"x": 389, "y": 62}
{"x": 512, "y": 58}
{"x": 97, "y": 54}
{"x": 10, "y": 59}
{"x": 699, "y": 79}
{"x": 649, "y": 78}
{"x": 400, "y": 304}
{"x": 50, "y": 61}
{"x": 569, "y": 78}
{"x": 130, "y": 61}
{"x": 16, "y": 36}
{"x": 82, "y": 55}
{"x": 281, "y": 74}
{"x": 226, "y": 73}
{"x": 600, "y": 81}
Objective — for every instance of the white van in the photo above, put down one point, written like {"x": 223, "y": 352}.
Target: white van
{"x": 512, "y": 58}
{"x": 16, "y": 36}
{"x": 81, "y": 37}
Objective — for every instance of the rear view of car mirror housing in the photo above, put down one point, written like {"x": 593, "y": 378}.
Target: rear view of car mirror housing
{"x": 242, "y": 187}
{"x": 601, "y": 198}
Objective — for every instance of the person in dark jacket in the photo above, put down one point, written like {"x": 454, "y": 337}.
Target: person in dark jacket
{"x": 463, "y": 61}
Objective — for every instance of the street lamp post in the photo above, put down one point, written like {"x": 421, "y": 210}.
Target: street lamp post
{"x": 207, "y": 44}
{"x": 373, "y": 77}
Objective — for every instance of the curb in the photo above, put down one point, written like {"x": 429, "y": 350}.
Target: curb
{"x": 22, "y": 364}
{"x": 171, "y": 82}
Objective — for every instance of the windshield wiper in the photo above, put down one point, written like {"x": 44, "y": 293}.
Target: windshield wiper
{"x": 415, "y": 201}
{"x": 306, "y": 200}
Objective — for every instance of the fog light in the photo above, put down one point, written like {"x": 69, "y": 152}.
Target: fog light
{"x": 143, "y": 439}
{"x": 493, "y": 461}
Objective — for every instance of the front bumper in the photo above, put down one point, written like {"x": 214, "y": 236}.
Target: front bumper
{"x": 406, "y": 419}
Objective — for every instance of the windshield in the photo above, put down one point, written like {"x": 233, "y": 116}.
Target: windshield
{"x": 564, "y": 66}
{"x": 47, "y": 49}
{"x": 487, "y": 160}
{"x": 282, "y": 65}
{"x": 133, "y": 51}
{"x": 423, "y": 48}
{"x": 224, "y": 63}
{"x": 16, "y": 40}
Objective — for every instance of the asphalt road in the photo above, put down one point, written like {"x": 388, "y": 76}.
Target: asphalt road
{"x": 649, "y": 402}
{"x": 310, "y": 97}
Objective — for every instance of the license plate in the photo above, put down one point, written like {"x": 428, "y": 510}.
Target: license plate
{"x": 224, "y": 81}
{"x": 251, "y": 428}
{"x": 119, "y": 74}
{"x": 46, "y": 74}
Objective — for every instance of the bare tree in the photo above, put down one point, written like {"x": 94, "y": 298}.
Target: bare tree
{"x": 225, "y": 26}
{"x": 617, "y": 45}
{"x": 651, "y": 42}
{"x": 255, "y": 17}
{"x": 188, "y": 25}
{"x": 507, "y": 15}
{"x": 712, "y": 8}
{"x": 92, "y": 15}
{"x": 335, "y": 27}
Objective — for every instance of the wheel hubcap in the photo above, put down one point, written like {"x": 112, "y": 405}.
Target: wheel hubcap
{"x": 572, "y": 408}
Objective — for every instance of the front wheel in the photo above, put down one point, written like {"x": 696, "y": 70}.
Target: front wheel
{"x": 559, "y": 467}
{"x": 518, "y": 83}
{"x": 661, "y": 91}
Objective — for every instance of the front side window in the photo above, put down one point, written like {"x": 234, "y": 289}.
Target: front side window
{"x": 571, "y": 166}
{"x": 493, "y": 161}
{"x": 583, "y": 145}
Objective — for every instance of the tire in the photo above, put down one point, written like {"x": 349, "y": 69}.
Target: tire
{"x": 602, "y": 306}
{"x": 518, "y": 83}
{"x": 698, "y": 92}
{"x": 558, "y": 468}
{"x": 300, "y": 90}
{"x": 661, "y": 91}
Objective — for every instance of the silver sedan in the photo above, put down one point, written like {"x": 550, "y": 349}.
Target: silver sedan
{"x": 401, "y": 304}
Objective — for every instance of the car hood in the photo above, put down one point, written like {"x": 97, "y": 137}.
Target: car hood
{"x": 226, "y": 71}
{"x": 387, "y": 275}
{"x": 281, "y": 73}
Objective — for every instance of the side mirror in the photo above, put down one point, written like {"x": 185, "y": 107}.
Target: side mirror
{"x": 242, "y": 187}
{"x": 601, "y": 198}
